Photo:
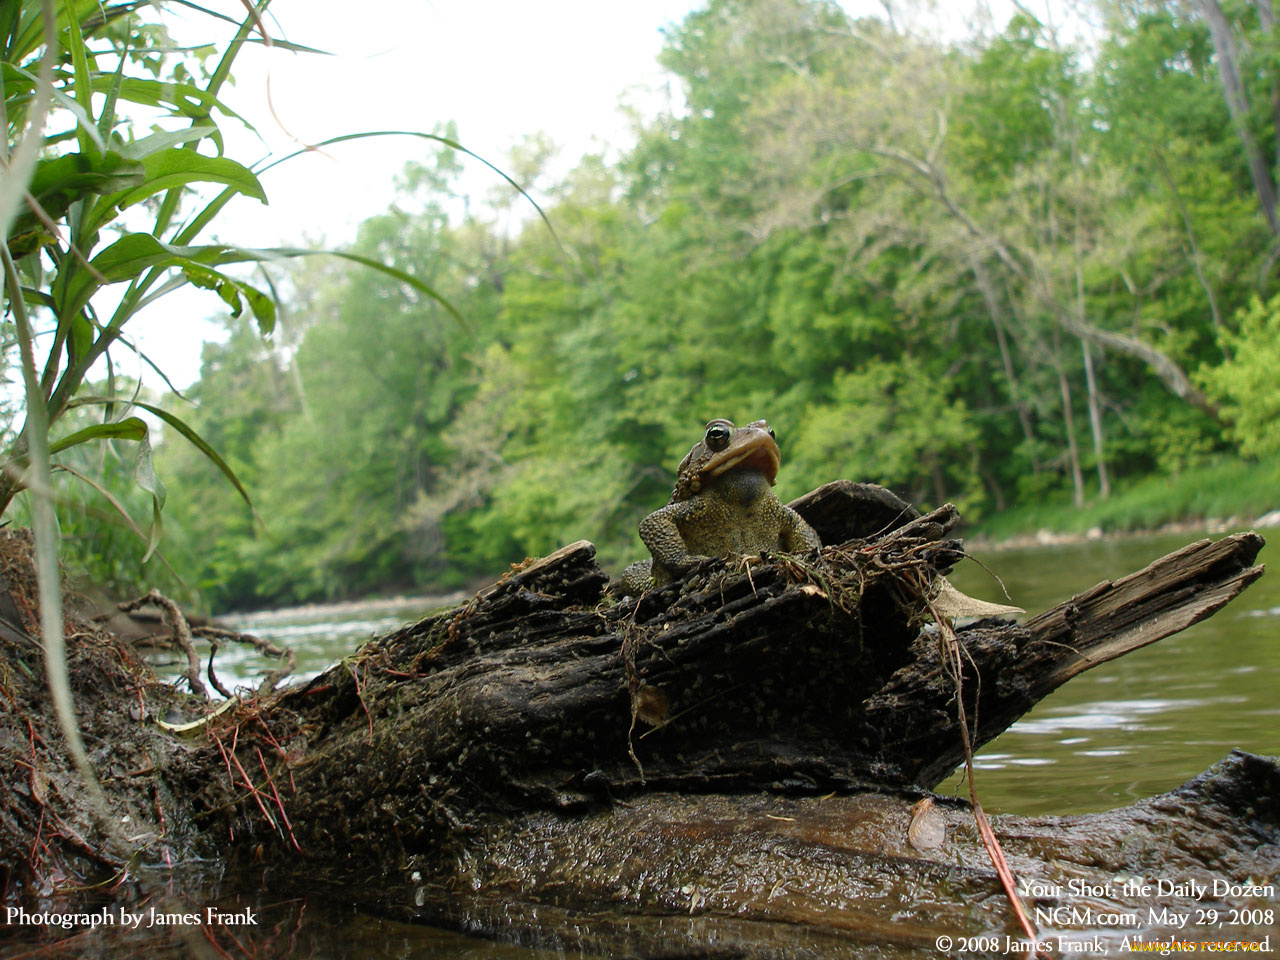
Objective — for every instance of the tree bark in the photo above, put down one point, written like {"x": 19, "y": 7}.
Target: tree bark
{"x": 730, "y": 760}
{"x": 1095, "y": 422}
{"x": 1238, "y": 106}
{"x": 1069, "y": 428}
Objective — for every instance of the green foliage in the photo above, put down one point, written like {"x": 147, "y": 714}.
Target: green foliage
{"x": 889, "y": 424}
{"x": 74, "y": 258}
{"x": 991, "y": 272}
{"x": 96, "y": 182}
{"x": 1246, "y": 384}
{"x": 100, "y": 488}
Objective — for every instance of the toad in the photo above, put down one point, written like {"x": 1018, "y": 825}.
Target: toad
{"x": 722, "y": 505}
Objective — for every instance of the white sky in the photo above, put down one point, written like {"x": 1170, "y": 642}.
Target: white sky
{"x": 501, "y": 69}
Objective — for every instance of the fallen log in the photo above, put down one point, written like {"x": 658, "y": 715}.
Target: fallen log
{"x": 733, "y": 759}
{"x": 785, "y": 876}
{"x": 743, "y": 747}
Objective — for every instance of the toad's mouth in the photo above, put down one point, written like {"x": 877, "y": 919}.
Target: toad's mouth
{"x": 750, "y": 450}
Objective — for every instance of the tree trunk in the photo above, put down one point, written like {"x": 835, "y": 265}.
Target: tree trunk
{"x": 983, "y": 277}
{"x": 1069, "y": 427}
{"x": 1238, "y": 105}
{"x": 1095, "y": 422}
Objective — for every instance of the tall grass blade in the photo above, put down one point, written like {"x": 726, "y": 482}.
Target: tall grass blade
{"x": 446, "y": 141}
{"x": 128, "y": 429}
{"x": 183, "y": 428}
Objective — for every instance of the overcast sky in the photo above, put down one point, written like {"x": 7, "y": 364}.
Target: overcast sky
{"x": 501, "y": 69}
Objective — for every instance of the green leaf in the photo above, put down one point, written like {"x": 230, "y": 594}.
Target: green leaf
{"x": 28, "y": 35}
{"x": 86, "y": 132}
{"x": 107, "y": 116}
{"x": 77, "y": 174}
{"x": 80, "y": 340}
{"x": 132, "y": 254}
{"x": 59, "y": 182}
{"x": 176, "y": 168}
{"x": 183, "y": 428}
{"x": 171, "y": 168}
{"x": 200, "y": 444}
{"x": 147, "y": 251}
{"x": 145, "y": 474}
{"x": 18, "y": 83}
{"x": 235, "y": 293}
{"x": 126, "y": 259}
{"x": 263, "y": 307}
{"x": 185, "y": 99}
{"x": 165, "y": 139}
{"x": 130, "y": 428}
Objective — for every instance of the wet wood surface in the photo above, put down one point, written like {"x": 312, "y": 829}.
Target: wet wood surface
{"x": 737, "y": 751}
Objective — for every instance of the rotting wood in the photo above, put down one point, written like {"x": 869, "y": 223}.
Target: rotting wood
{"x": 524, "y": 755}
{"x": 515, "y": 746}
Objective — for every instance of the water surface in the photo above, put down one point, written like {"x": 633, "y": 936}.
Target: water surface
{"x": 1146, "y": 722}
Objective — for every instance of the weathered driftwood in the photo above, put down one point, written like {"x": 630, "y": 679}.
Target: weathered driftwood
{"x": 729, "y": 761}
{"x": 732, "y": 757}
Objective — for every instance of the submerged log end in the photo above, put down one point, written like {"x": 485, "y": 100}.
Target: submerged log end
{"x": 1245, "y": 787}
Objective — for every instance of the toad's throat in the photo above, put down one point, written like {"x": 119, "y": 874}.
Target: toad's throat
{"x": 743, "y": 486}
{"x": 759, "y": 454}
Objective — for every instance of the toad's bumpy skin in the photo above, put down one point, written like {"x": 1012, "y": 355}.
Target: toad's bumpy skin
{"x": 722, "y": 505}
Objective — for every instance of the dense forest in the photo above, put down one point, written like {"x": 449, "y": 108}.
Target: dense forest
{"x": 1020, "y": 266}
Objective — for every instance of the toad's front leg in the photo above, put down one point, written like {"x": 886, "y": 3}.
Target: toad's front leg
{"x": 660, "y": 532}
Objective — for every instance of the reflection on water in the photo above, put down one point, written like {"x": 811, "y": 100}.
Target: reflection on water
{"x": 274, "y": 926}
{"x": 1141, "y": 724}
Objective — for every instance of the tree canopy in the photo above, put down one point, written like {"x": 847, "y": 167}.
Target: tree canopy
{"x": 987, "y": 269}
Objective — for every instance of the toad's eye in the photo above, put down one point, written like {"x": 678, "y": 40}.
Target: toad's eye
{"x": 773, "y": 435}
{"x": 718, "y": 436}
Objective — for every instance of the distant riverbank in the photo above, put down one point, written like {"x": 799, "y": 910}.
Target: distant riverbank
{"x": 1225, "y": 495}
{"x": 348, "y": 609}
{"x": 1045, "y": 537}
{"x": 1214, "y": 498}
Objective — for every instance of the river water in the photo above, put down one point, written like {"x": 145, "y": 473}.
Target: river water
{"x": 1148, "y": 721}
{"x": 1128, "y": 729}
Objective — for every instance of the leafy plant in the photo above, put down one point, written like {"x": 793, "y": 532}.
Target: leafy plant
{"x": 1245, "y": 383}
{"x": 74, "y": 235}
{"x": 98, "y": 224}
